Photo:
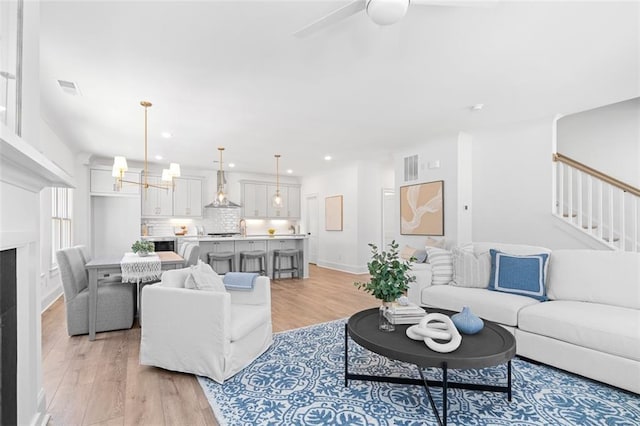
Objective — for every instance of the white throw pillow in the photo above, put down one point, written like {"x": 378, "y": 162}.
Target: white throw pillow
{"x": 469, "y": 269}
{"x": 203, "y": 277}
{"x": 175, "y": 277}
{"x": 441, "y": 265}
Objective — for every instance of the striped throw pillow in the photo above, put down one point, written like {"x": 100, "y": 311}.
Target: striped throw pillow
{"x": 470, "y": 270}
{"x": 441, "y": 265}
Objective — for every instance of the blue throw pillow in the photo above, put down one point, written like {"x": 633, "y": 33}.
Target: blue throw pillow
{"x": 523, "y": 275}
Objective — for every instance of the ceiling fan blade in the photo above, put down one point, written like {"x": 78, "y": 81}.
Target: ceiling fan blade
{"x": 456, "y": 3}
{"x": 332, "y": 18}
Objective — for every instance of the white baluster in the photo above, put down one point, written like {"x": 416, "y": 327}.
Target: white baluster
{"x": 570, "y": 199}
{"x": 561, "y": 189}
{"x": 600, "y": 217}
{"x": 579, "y": 196}
{"x": 610, "y": 214}
{"x": 623, "y": 233}
{"x": 589, "y": 204}
{"x": 635, "y": 224}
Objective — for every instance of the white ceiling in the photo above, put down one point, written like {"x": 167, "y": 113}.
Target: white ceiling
{"x": 231, "y": 74}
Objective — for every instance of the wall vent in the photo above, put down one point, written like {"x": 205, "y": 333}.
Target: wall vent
{"x": 69, "y": 87}
{"x": 411, "y": 168}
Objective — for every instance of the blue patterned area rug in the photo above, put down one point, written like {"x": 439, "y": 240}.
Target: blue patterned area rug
{"x": 300, "y": 381}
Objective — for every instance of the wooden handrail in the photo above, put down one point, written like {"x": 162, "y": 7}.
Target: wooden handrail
{"x": 597, "y": 173}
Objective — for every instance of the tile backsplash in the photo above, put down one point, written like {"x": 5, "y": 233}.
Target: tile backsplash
{"x": 217, "y": 220}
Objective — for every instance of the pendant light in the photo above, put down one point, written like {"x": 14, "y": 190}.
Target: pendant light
{"x": 221, "y": 196}
{"x": 120, "y": 165}
{"x": 276, "y": 200}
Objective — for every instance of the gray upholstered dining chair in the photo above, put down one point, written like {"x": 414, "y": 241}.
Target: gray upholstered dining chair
{"x": 191, "y": 254}
{"x": 86, "y": 257}
{"x": 116, "y": 301}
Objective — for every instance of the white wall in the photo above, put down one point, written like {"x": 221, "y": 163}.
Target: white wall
{"x": 59, "y": 153}
{"x": 443, "y": 149}
{"x": 360, "y": 185}
{"x": 605, "y": 138}
{"x": 336, "y": 249}
{"x": 512, "y": 188}
{"x": 369, "y": 219}
{"x": 55, "y": 150}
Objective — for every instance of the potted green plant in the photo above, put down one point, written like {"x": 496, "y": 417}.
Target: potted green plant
{"x": 143, "y": 248}
{"x": 390, "y": 279}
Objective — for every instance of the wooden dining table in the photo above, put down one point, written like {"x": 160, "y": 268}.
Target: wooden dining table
{"x": 102, "y": 268}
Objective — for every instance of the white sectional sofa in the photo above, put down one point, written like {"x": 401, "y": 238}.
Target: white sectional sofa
{"x": 590, "y": 324}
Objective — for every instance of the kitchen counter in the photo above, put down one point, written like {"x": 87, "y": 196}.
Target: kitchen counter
{"x": 237, "y": 244}
{"x": 241, "y": 238}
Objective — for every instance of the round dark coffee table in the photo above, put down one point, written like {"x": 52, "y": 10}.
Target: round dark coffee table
{"x": 493, "y": 345}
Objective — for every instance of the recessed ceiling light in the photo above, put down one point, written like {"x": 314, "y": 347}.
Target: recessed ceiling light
{"x": 289, "y": 171}
{"x": 477, "y": 107}
{"x": 232, "y": 164}
{"x": 327, "y": 157}
{"x": 3, "y": 108}
{"x": 158, "y": 157}
{"x": 166, "y": 134}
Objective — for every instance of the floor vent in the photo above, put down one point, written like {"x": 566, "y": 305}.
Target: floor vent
{"x": 411, "y": 168}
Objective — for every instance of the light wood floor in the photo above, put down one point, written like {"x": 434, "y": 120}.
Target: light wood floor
{"x": 102, "y": 383}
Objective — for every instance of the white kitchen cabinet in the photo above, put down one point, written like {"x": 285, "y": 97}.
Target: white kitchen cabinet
{"x": 293, "y": 202}
{"x": 102, "y": 183}
{"x": 282, "y": 244}
{"x": 277, "y": 212}
{"x": 257, "y": 201}
{"x": 187, "y": 197}
{"x": 254, "y": 200}
{"x": 250, "y": 245}
{"x": 290, "y": 208}
{"x": 207, "y": 247}
{"x": 156, "y": 201}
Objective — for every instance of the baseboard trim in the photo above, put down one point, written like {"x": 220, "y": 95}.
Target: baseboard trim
{"x": 342, "y": 267}
{"x": 41, "y": 418}
{"x": 51, "y": 298}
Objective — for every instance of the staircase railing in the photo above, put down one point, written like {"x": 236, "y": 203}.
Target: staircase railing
{"x": 597, "y": 204}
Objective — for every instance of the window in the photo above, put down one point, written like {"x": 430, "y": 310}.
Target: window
{"x": 61, "y": 202}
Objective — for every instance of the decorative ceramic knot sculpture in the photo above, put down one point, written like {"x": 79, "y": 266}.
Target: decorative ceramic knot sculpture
{"x": 436, "y": 326}
{"x": 467, "y": 322}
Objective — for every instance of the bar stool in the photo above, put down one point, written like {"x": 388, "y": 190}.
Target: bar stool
{"x": 259, "y": 255}
{"x": 296, "y": 263}
{"x": 222, "y": 256}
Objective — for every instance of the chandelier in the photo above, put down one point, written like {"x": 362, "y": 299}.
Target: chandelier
{"x": 221, "y": 196}
{"x": 276, "y": 200}
{"x": 120, "y": 166}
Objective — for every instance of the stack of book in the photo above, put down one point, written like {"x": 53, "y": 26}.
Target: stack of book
{"x": 405, "y": 314}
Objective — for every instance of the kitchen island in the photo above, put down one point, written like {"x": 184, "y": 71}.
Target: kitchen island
{"x": 239, "y": 243}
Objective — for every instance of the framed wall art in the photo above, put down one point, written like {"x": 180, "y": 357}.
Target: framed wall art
{"x": 422, "y": 209}
{"x": 333, "y": 213}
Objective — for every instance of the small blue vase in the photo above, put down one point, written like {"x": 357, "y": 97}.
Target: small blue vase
{"x": 467, "y": 322}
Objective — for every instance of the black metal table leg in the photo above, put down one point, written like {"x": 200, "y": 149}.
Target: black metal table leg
{"x": 346, "y": 356}
{"x": 509, "y": 381}
{"x": 444, "y": 393}
{"x": 426, "y": 383}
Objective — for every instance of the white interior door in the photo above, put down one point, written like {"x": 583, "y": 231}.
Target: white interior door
{"x": 312, "y": 227}
{"x": 389, "y": 219}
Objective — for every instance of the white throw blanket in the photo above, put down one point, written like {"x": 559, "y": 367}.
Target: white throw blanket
{"x": 136, "y": 269}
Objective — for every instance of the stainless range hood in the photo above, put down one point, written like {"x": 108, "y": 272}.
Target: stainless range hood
{"x": 221, "y": 181}
{"x": 214, "y": 205}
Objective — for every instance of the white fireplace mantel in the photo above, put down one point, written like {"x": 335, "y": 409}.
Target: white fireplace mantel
{"x": 25, "y": 167}
{"x": 24, "y": 172}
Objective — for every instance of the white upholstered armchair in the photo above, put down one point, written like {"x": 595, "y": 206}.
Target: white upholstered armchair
{"x": 209, "y": 333}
